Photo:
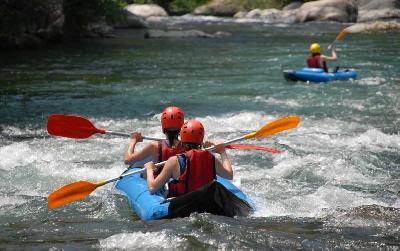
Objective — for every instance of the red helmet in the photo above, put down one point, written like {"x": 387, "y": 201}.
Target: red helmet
{"x": 192, "y": 132}
{"x": 172, "y": 117}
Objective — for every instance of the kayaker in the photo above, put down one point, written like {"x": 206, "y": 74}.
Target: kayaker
{"x": 172, "y": 119}
{"x": 193, "y": 169}
{"x": 316, "y": 60}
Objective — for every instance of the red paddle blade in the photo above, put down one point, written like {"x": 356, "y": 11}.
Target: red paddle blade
{"x": 70, "y": 126}
{"x": 252, "y": 147}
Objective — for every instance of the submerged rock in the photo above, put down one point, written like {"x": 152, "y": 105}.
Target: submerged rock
{"x": 183, "y": 34}
{"x": 100, "y": 29}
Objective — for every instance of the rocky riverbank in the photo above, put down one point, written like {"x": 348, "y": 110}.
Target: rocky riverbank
{"x": 48, "y": 22}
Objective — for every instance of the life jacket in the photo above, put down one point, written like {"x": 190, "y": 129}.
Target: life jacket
{"x": 313, "y": 61}
{"x": 165, "y": 152}
{"x": 199, "y": 171}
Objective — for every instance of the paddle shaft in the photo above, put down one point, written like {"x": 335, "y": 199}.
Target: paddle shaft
{"x": 128, "y": 135}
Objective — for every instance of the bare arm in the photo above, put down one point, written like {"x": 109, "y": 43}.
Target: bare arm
{"x": 171, "y": 169}
{"x": 333, "y": 55}
{"x": 223, "y": 166}
{"x": 131, "y": 155}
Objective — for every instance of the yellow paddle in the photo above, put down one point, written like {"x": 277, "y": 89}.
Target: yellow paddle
{"x": 339, "y": 36}
{"x": 81, "y": 189}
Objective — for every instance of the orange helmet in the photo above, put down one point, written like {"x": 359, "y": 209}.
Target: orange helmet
{"x": 172, "y": 117}
{"x": 192, "y": 131}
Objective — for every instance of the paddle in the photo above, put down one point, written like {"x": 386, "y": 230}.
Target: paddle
{"x": 78, "y": 127}
{"x": 252, "y": 147}
{"x": 81, "y": 189}
{"x": 338, "y": 37}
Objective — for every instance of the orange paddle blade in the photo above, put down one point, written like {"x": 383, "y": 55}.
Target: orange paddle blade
{"x": 252, "y": 147}
{"x": 276, "y": 126}
{"x": 71, "y": 192}
{"x": 341, "y": 35}
{"x": 70, "y": 126}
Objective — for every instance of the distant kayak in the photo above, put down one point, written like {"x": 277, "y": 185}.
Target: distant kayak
{"x": 220, "y": 197}
{"x": 317, "y": 75}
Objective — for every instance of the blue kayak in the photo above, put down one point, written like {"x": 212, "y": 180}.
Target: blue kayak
{"x": 220, "y": 197}
{"x": 318, "y": 75}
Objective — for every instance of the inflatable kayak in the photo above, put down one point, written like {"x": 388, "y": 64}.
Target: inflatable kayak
{"x": 318, "y": 75}
{"x": 220, "y": 197}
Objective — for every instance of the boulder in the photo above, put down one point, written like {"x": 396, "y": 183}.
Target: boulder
{"x": 131, "y": 21}
{"x": 380, "y": 14}
{"x": 257, "y": 13}
{"x": 269, "y": 15}
{"x": 378, "y": 4}
{"x": 241, "y": 14}
{"x": 328, "y": 10}
{"x": 146, "y": 10}
{"x": 227, "y": 8}
{"x": 368, "y": 27}
{"x": 372, "y": 10}
{"x": 293, "y": 5}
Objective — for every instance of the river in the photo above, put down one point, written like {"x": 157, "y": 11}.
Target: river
{"x": 335, "y": 185}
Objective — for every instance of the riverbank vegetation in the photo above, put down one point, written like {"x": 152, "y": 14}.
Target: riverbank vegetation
{"x": 37, "y": 22}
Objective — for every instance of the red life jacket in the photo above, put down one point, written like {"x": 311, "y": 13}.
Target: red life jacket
{"x": 314, "y": 62}
{"x": 200, "y": 171}
{"x": 165, "y": 152}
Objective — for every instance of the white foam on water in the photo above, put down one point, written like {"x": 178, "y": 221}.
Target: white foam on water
{"x": 139, "y": 240}
{"x": 271, "y": 101}
{"x": 235, "y": 123}
{"x": 11, "y": 200}
{"x": 309, "y": 183}
{"x": 315, "y": 204}
{"x": 318, "y": 158}
{"x": 14, "y": 155}
{"x": 374, "y": 140}
{"x": 370, "y": 81}
{"x": 355, "y": 104}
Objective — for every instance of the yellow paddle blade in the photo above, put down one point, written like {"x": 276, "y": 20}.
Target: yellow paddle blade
{"x": 275, "y": 126}
{"x": 71, "y": 192}
{"x": 341, "y": 35}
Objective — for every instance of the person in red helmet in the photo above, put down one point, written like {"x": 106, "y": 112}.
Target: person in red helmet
{"x": 193, "y": 169}
{"x": 172, "y": 119}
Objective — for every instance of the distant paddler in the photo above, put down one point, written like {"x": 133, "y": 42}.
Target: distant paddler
{"x": 317, "y": 60}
